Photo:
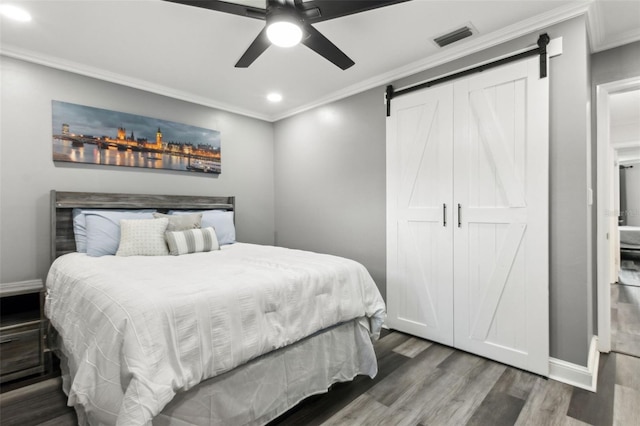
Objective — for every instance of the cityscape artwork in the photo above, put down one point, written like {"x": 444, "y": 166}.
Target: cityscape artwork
{"x": 84, "y": 134}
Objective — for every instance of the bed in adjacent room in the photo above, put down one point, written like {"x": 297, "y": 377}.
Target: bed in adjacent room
{"x": 204, "y": 330}
{"x": 630, "y": 238}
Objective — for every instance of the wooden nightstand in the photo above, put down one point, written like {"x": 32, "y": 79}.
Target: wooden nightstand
{"x": 21, "y": 330}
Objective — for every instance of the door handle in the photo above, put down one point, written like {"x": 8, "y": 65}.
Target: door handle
{"x": 444, "y": 215}
{"x": 459, "y": 217}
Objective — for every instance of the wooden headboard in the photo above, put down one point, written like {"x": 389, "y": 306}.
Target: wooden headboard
{"x": 63, "y": 203}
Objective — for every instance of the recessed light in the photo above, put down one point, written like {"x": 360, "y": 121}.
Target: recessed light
{"x": 15, "y": 13}
{"x": 274, "y": 97}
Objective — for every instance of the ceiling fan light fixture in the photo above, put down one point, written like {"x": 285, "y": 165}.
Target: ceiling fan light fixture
{"x": 283, "y": 29}
{"x": 284, "y": 33}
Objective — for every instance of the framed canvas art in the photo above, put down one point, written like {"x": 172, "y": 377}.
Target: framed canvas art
{"x": 84, "y": 134}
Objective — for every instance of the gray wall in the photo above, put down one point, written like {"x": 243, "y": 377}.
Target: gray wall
{"x": 330, "y": 182}
{"x": 27, "y": 172}
{"x": 632, "y": 193}
{"x": 615, "y": 64}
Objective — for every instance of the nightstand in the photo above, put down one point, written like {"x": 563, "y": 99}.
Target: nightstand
{"x": 21, "y": 330}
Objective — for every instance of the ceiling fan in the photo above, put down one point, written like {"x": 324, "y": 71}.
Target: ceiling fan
{"x": 292, "y": 18}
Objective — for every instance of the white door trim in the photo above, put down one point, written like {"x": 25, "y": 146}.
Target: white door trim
{"x": 604, "y": 209}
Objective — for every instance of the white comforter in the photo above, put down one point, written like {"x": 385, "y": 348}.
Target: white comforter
{"x": 139, "y": 329}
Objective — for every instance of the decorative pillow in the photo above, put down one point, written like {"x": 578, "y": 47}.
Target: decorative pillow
{"x": 192, "y": 241}
{"x": 181, "y": 222}
{"x": 80, "y": 222}
{"x": 80, "y": 230}
{"x": 143, "y": 237}
{"x": 220, "y": 220}
{"x": 103, "y": 229}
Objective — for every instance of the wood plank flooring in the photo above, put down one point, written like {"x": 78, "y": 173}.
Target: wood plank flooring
{"x": 630, "y": 268}
{"x": 422, "y": 383}
{"x": 438, "y": 385}
{"x": 625, "y": 309}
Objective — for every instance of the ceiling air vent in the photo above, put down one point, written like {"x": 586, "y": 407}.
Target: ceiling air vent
{"x": 453, "y": 36}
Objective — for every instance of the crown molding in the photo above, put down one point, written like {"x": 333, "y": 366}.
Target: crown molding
{"x": 596, "y": 31}
{"x": 536, "y": 23}
{"x": 622, "y": 39}
{"x": 81, "y": 69}
{"x": 595, "y": 26}
{"x": 474, "y": 45}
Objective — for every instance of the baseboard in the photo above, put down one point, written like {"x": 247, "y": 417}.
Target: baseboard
{"x": 577, "y": 375}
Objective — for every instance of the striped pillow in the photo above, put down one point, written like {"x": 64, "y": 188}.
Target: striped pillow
{"x": 192, "y": 241}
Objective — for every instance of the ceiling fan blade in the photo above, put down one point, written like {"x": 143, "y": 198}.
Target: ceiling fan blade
{"x": 259, "y": 45}
{"x": 330, "y": 9}
{"x": 226, "y": 7}
{"x": 321, "y": 45}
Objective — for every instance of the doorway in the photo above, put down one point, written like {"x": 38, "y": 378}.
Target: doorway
{"x": 618, "y": 151}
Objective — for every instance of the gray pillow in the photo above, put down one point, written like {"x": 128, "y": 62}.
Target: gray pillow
{"x": 181, "y": 222}
{"x": 220, "y": 220}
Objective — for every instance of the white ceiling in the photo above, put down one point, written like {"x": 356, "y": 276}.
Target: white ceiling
{"x": 189, "y": 53}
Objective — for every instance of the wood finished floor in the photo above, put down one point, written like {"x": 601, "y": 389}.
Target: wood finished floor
{"x": 625, "y": 309}
{"x": 423, "y": 383}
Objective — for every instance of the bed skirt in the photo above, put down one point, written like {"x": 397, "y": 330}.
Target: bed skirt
{"x": 266, "y": 387}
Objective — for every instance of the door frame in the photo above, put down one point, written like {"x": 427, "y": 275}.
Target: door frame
{"x": 605, "y": 208}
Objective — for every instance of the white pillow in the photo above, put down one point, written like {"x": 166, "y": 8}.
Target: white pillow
{"x": 143, "y": 237}
{"x": 192, "y": 241}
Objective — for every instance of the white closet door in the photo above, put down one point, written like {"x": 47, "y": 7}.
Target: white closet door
{"x": 501, "y": 247}
{"x": 419, "y": 214}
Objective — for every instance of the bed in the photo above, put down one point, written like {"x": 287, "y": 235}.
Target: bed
{"x": 630, "y": 238}
{"x": 235, "y": 335}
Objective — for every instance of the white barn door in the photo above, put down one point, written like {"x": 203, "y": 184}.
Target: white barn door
{"x": 501, "y": 252}
{"x": 419, "y": 214}
{"x": 467, "y": 215}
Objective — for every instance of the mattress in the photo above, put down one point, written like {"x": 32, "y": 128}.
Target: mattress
{"x": 136, "y": 331}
